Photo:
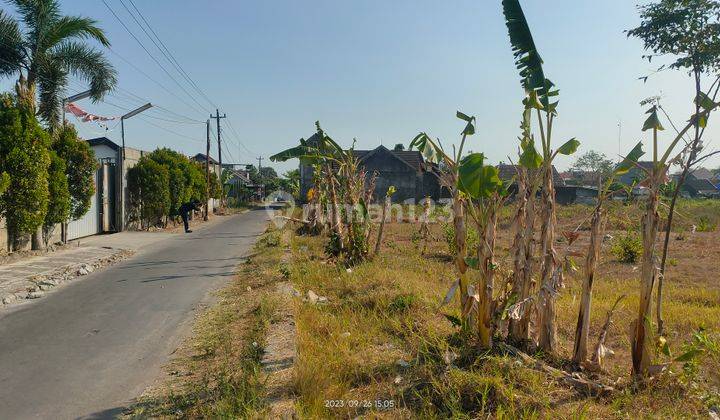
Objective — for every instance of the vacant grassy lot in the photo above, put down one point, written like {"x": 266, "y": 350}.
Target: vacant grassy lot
{"x": 382, "y": 347}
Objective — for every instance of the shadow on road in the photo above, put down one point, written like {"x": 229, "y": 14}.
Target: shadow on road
{"x": 111, "y": 413}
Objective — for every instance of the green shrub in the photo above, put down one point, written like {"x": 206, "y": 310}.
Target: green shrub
{"x": 186, "y": 180}
{"x": 449, "y": 234}
{"x": 270, "y": 240}
{"x": 25, "y": 158}
{"x": 80, "y": 167}
{"x": 4, "y": 182}
{"x": 285, "y": 270}
{"x": 402, "y": 303}
{"x": 59, "y": 203}
{"x": 705, "y": 225}
{"x": 148, "y": 191}
{"x": 627, "y": 248}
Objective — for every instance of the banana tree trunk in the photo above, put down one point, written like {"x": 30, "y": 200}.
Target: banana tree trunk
{"x": 582, "y": 330}
{"x": 519, "y": 252}
{"x": 382, "y": 225}
{"x": 486, "y": 254}
{"x": 425, "y": 226}
{"x": 551, "y": 270}
{"x": 461, "y": 251}
{"x": 335, "y": 222}
{"x": 523, "y": 325}
{"x": 642, "y": 340}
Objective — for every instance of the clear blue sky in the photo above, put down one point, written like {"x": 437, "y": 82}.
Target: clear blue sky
{"x": 380, "y": 71}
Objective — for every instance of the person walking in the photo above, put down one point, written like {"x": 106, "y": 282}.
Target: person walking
{"x": 185, "y": 210}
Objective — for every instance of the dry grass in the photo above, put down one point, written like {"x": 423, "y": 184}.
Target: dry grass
{"x": 352, "y": 351}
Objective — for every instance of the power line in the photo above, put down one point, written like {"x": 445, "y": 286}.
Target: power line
{"x": 172, "y": 58}
{"x": 237, "y": 138}
{"x": 149, "y": 54}
{"x": 149, "y": 115}
{"x": 227, "y": 150}
{"x": 156, "y": 106}
{"x": 73, "y": 85}
{"x": 136, "y": 68}
{"x": 143, "y": 117}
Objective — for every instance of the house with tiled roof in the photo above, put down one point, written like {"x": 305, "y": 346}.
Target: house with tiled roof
{"x": 507, "y": 172}
{"x": 406, "y": 170}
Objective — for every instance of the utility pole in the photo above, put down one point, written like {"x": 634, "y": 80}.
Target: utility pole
{"x": 123, "y": 195}
{"x": 262, "y": 186}
{"x": 217, "y": 119}
{"x": 619, "y": 137}
{"x": 207, "y": 171}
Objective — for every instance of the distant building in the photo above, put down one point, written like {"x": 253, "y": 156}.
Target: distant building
{"x": 695, "y": 187}
{"x": 637, "y": 175}
{"x": 703, "y": 173}
{"x": 214, "y": 164}
{"x": 580, "y": 178}
{"x": 508, "y": 172}
{"x": 406, "y": 170}
{"x": 564, "y": 193}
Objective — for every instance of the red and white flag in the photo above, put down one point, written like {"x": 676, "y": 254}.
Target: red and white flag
{"x": 85, "y": 116}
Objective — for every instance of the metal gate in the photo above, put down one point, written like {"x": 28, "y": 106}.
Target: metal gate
{"x": 89, "y": 224}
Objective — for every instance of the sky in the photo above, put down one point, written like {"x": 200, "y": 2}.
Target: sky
{"x": 377, "y": 71}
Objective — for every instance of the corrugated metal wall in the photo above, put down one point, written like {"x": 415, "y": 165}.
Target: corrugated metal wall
{"x": 89, "y": 224}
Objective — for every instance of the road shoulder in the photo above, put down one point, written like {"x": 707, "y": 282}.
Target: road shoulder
{"x": 238, "y": 361}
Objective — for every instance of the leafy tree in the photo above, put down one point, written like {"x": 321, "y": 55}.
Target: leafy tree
{"x": 291, "y": 182}
{"x": 80, "y": 167}
{"x": 595, "y": 163}
{"x": 59, "y": 203}
{"x": 196, "y": 181}
{"x": 52, "y": 48}
{"x": 215, "y": 189}
{"x": 149, "y": 191}
{"x": 179, "y": 177}
{"x": 24, "y": 157}
{"x": 4, "y": 182}
{"x": 186, "y": 178}
{"x": 267, "y": 172}
{"x": 689, "y": 33}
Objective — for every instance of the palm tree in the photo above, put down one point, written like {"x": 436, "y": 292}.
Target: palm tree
{"x": 47, "y": 50}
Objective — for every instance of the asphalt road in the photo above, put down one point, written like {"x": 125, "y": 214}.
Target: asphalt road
{"x": 87, "y": 349}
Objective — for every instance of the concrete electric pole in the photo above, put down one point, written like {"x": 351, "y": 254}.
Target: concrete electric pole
{"x": 207, "y": 171}
{"x": 217, "y": 120}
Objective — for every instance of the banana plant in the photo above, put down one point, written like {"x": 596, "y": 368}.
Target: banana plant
{"x": 522, "y": 250}
{"x": 447, "y": 166}
{"x": 643, "y": 342}
{"x": 386, "y": 205}
{"x": 540, "y": 100}
{"x": 486, "y": 193}
{"x": 325, "y": 153}
{"x": 582, "y": 330}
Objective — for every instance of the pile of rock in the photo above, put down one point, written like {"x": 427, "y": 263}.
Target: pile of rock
{"x": 43, "y": 283}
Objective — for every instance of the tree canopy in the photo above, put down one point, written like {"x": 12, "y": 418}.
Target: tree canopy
{"x": 52, "y": 48}
{"x": 688, "y": 30}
